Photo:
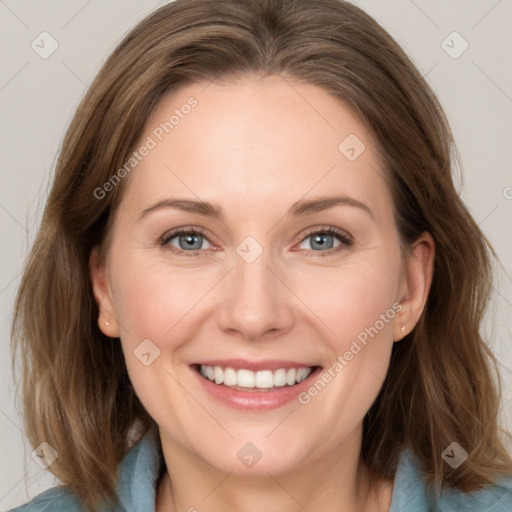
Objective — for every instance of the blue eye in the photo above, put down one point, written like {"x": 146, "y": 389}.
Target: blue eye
{"x": 323, "y": 239}
{"x": 189, "y": 241}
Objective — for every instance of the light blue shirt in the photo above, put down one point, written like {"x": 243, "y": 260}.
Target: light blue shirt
{"x": 141, "y": 468}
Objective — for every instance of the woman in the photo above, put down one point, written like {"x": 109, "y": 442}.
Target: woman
{"x": 255, "y": 286}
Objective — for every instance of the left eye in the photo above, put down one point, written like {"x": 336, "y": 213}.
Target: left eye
{"x": 324, "y": 239}
{"x": 189, "y": 241}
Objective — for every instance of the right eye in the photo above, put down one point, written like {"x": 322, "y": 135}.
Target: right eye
{"x": 188, "y": 240}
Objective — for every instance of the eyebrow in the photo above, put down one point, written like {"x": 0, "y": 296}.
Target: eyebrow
{"x": 299, "y": 209}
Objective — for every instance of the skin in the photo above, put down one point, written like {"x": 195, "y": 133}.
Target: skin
{"x": 255, "y": 147}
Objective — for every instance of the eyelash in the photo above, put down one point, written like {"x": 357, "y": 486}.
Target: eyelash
{"x": 345, "y": 240}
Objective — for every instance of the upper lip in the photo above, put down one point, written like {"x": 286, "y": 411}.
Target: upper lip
{"x": 269, "y": 364}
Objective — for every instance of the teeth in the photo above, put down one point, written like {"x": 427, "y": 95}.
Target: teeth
{"x": 230, "y": 378}
{"x": 280, "y": 377}
{"x": 219, "y": 375}
{"x": 264, "y": 379}
{"x": 291, "y": 376}
{"x": 302, "y": 374}
{"x": 245, "y": 378}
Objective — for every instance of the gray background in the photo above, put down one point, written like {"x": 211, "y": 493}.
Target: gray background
{"x": 38, "y": 97}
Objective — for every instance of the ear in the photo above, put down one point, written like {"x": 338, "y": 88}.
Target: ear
{"x": 103, "y": 295}
{"x": 419, "y": 268}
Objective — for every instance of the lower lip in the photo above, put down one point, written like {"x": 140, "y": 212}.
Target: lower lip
{"x": 255, "y": 400}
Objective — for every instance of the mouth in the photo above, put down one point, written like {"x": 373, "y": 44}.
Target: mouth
{"x": 243, "y": 379}
{"x": 264, "y": 386}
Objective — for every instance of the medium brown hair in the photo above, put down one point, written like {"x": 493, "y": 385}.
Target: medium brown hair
{"x": 442, "y": 383}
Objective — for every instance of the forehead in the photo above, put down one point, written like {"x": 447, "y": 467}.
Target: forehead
{"x": 251, "y": 141}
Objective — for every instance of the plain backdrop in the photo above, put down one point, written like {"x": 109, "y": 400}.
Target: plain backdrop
{"x": 38, "y": 96}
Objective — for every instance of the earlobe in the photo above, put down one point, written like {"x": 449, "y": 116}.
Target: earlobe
{"x": 419, "y": 268}
{"x": 102, "y": 295}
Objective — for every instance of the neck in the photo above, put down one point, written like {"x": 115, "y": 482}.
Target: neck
{"x": 336, "y": 483}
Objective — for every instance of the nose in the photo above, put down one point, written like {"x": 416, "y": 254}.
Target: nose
{"x": 256, "y": 302}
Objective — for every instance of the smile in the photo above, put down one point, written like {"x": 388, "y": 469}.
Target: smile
{"x": 250, "y": 385}
{"x": 245, "y": 379}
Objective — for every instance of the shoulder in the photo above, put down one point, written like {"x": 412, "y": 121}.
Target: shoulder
{"x": 410, "y": 493}
{"x": 495, "y": 498}
{"x": 57, "y": 499}
{"x": 136, "y": 487}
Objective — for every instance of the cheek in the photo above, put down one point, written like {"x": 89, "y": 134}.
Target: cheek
{"x": 152, "y": 299}
{"x": 358, "y": 305}
{"x": 153, "y": 303}
{"x": 355, "y": 300}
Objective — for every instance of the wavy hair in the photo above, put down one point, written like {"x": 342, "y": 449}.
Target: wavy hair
{"x": 443, "y": 380}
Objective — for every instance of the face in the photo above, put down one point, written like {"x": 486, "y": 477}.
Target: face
{"x": 267, "y": 286}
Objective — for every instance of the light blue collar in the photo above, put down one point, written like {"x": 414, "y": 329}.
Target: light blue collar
{"x": 143, "y": 465}
{"x": 139, "y": 473}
